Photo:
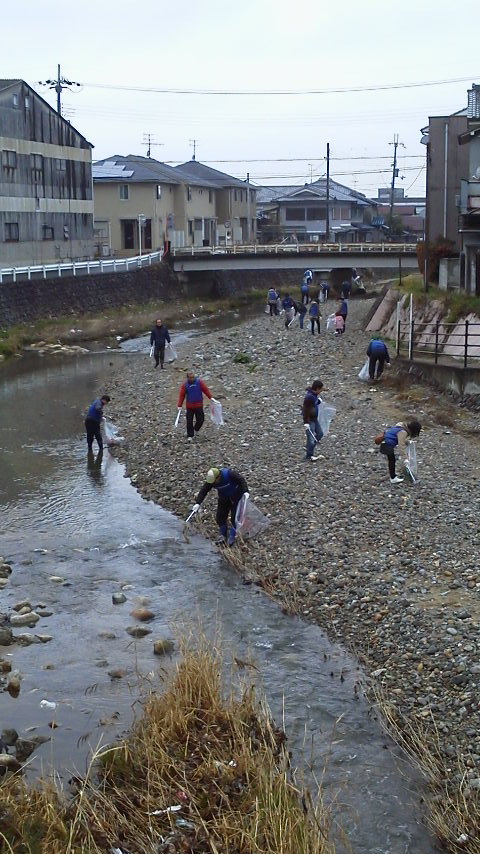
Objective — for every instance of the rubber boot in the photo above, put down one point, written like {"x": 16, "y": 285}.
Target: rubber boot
{"x": 231, "y": 536}
{"x": 223, "y": 537}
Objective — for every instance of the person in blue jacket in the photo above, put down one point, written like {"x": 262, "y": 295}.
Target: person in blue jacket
{"x": 378, "y": 354}
{"x": 230, "y": 486}
{"x": 158, "y": 337}
{"x": 288, "y": 305}
{"x": 398, "y": 437}
{"x": 343, "y": 310}
{"x": 305, "y": 292}
{"x": 313, "y": 431}
{"x": 272, "y": 298}
{"x": 93, "y": 421}
{"x": 314, "y": 315}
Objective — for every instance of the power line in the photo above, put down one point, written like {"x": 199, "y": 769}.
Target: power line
{"x": 251, "y": 92}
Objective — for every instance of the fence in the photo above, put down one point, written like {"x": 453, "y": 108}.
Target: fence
{"x": 297, "y": 248}
{"x": 78, "y": 268}
{"x": 439, "y": 341}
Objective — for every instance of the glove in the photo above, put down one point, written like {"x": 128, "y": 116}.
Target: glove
{"x": 246, "y": 495}
{"x": 179, "y": 409}
{"x": 214, "y": 400}
{"x": 195, "y": 508}
{"x": 389, "y": 364}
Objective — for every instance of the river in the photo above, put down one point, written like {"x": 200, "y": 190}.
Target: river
{"x": 84, "y": 523}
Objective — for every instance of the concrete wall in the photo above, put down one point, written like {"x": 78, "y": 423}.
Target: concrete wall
{"x": 463, "y": 383}
{"x": 29, "y": 301}
{"x": 449, "y": 274}
{"x": 444, "y": 176}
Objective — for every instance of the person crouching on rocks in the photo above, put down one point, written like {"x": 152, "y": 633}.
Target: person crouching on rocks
{"x": 378, "y": 354}
{"x": 313, "y": 431}
{"x": 230, "y": 486}
{"x": 398, "y": 437}
{"x": 193, "y": 390}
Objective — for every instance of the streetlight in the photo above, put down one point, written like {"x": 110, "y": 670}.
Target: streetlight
{"x": 141, "y": 221}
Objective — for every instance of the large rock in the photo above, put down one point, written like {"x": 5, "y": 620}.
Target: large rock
{"x": 6, "y": 637}
{"x": 142, "y": 614}
{"x": 28, "y": 619}
{"x": 138, "y": 631}
{"x": 163, "y": 646}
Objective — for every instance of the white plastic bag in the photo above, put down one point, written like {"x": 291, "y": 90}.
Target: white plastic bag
{"x": 325, "y": 415}
{"x": 249, "y": 520}
{"x": 216, "y": 413}
{"x": 170, "y": 352}
{"x": 411, "y": 468}
{"x": 364, "y": 374}
{"x": 331, "y": 323}
{"x": 110, "y": 433}
{"x": 151, "y": 351}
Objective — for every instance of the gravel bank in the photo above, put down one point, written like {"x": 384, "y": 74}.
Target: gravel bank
{"x": 391, "y": 572}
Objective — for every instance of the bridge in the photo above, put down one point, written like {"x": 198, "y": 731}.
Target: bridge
{"x": 320, "y": 257}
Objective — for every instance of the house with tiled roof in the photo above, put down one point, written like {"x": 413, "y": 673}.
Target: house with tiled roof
{"x": 142, "y": 204}
{"x": 46, "y": 205}
{"x": 235, "y": 202}
{"x": 300, "y": 213}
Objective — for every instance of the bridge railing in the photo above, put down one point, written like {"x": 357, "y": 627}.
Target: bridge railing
{"x": 78, "y": 268}
{"x": 295, "y": 248}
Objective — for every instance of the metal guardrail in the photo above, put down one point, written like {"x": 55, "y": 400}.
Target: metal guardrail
{"x": 78, "y": 268}
{"x": 442, "y": 342}
{"x": 295, "y": 248}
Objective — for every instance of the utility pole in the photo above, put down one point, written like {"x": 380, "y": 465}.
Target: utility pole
{"x": 395, "y": 144}
{"x": 59, "y": 84}
{"x": 248, "y": 210}
{"x": 193, "y": 143}
{"x": 327, "y": 218}
{"x": 149, "y": 141}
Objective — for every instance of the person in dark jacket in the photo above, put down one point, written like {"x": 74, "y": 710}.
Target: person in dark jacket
{"x": 230, "y": 486}
{"x": 301, "y": 311}
{"x": 272, "y": 298}
{"x": 378, "y": 354}
{"x": 158, "y": 338}
{"x": 93, "y": 421}
{"x": 288, "y": 305}
{"x": 193, "y": 390}
{"x": 314, "y": 314}
{"x": 398, "y": 437}
{"x": 305, "y": 292}
{"x": 343, "y": 310}
{"x": 313, "y": 431}
{"x": 346, "y": 289}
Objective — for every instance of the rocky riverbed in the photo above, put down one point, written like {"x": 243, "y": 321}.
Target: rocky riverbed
{"x": 390, "y": 571}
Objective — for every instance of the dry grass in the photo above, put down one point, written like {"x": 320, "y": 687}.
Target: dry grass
{"x": 220, "y": 758}
{"x": 452, "y": 804}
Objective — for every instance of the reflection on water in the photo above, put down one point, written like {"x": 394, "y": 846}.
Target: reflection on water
{"x": 76, "y": 532}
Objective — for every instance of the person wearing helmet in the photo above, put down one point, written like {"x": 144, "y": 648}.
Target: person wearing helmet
{"x": 230, "y": 486}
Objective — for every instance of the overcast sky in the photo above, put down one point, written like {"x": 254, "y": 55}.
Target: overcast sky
{"x": 253, "y": 45}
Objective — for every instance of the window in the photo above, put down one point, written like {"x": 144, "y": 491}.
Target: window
{"x": 197, "y": 224}
{"x": 210, "y": 196}
{"x": 11, "y": 232}
{"x": 124, "y": 192}
{"x": 235, "y": 195}
{"x": 27, "y": 102}
{"x": 189, "y": 194}
{"x": 190, "y": 227}
{"x": 9, "y": 164}
{"x": 15, "y": 100}
{"x": 129, "y": 230}
{"x": 60, "y": 164}
{"x": 37, "y": 168}
{"x": 318, "y": 212}
{"x": 47, "y": 232}
{"x": 159, "y": 191}
{"x": 295, "y": 214}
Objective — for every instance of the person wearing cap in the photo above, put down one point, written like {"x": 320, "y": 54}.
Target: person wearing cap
{"x": 378, "y": 354}
{"x": 230, "y": 486}
{"x": 193, "y": 390}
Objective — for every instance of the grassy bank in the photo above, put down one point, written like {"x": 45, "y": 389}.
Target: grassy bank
{"x": 200, "y": 771}
{"x": 457, "y": 304}
{"x": 128, "y": 321}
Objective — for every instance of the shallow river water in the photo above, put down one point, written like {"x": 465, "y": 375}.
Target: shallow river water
{"x": 88, "y": 525}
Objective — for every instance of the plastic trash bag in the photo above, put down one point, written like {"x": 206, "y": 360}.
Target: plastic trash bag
{"x": 216, "y": 413}
{"x": 267, "y": 308}
{"x": 110, "y": 433}
{"x": 331, "y": 323}
{"x": 364, "y": 374}
{"x": 170, "y": 352}
{"x": 249, "y": 520}
{"x": 151, "y": 351}
{"x": 411, "y": 469}
{"x": 325, "y": 415}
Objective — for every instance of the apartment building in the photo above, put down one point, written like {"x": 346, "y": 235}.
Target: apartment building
{"x": 46, "y": 204}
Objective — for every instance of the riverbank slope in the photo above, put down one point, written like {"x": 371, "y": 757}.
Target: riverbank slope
{"x": 390, "y": 571}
